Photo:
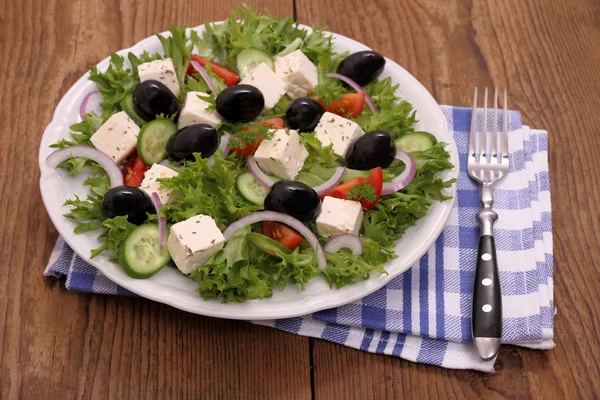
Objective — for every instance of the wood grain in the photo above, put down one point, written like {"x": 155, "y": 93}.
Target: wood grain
{"x": 59, "y": 344}
{"x": 546, "y": 53}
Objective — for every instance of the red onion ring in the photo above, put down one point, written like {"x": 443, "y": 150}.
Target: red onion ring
{"x": 200, "y": 69}
{"x": 223, "y": 145}
{"x": 258, "y": 174}
{"x": 290, "y": 221}
{"x": 331, "y": 182}
{"x": 111, "y": 168}
{"x": 348, "y": 241}
{"x": 83, "y": 107}
{"x": 162, "y": 221}
{"x": 354, "y": 86}
{"x": 405, "y": 177}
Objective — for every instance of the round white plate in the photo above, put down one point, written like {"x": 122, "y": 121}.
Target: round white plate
{"x": 171, "y": 287}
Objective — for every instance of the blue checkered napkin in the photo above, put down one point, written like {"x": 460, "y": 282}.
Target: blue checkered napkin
{"x": 424, "y": 315}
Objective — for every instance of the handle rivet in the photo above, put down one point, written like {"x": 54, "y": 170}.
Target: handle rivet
{"x": 486, "y": 256}
{"x": 486, "y": 308}
{"x": 486, "y": 282}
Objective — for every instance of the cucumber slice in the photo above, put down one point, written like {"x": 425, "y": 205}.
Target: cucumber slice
{"x": 141, "y": 255}
{"x": 127, "y": 106}
{"x": 153, "y": 138}
{"x": 267, "y": 244}
{"x": 416, "y": 141}
{"x": 249, "y": 59}
{"x": 251, "y": 189}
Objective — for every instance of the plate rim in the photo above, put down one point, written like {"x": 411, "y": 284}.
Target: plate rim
{"x": 242, "y": 314}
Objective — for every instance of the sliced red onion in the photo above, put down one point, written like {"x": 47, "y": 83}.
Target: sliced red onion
{"x": 211, "y": 162}
{"x": 356, "y": 87}
{"x": 85, "y": 107}
{"x": 162, "y": 221}
{"x": 405, "y": 177}
{"x": 258, "y": 174}
{"x": 348, "y": 241}
{"x": 331, "y": 183}
{"x": 292, "y": 222}
{"x": 111, "y": 168}
{"x": 200, "y": 69}
{"x": 223, "y": 146}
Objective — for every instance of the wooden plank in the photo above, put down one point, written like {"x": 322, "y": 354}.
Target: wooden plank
{"x": 546, "y": 53}
{"x": 58, "y": 344}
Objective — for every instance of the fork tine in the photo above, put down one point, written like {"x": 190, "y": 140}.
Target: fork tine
{"x": 494, "y": 144}
{"x": 505, "y": 128}
{"x": 483, "y": 136}
{"x": 473, "y": 126}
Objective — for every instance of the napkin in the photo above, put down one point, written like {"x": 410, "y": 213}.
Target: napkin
{"x": 424, "y": 315}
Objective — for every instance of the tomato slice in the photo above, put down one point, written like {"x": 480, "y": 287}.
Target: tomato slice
{"x": 350, "y": 104}
{"x": 133, "y": 173}
{"x": 375, "y": 179}
{"x": 230, "y": 77}
{"x": 283, "y": 234}
{"x": 250, "y": 148}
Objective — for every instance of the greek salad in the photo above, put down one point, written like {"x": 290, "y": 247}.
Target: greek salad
{"x": 250, "y": 156}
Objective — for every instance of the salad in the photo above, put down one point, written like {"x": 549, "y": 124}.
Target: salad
{"x": 250, "y": 156}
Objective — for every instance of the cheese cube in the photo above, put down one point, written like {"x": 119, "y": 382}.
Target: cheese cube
{"x": 264, "y": 79}
{"x": 298, "y": 73}
{"x": 283, "y": 155}
{"x": 339, "y": 216}
{"x": 194, "y": 111}
{"x": 117, "y": 137}
{"x": 151, "y": 184}
{"x": 339, "y": 131}
{"x": 193, "y": 241}
{"x": 162, "y": 71}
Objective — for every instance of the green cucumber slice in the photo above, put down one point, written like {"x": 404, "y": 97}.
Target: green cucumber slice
{"x": 141, "y": 255}
{"x": 416, "y": 141}
{"x": 251, "y": 189}
{"x": 153, "y": 138}
{"x": 249, "y": 59}
{"x": 266, "y": 244}
{"x": 127, "y": 106}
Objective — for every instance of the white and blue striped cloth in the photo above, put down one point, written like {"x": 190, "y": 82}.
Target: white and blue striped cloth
{"x": 424, "y": 315}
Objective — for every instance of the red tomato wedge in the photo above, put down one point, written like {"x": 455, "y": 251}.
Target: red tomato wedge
{"x": 283, "y": 234}
{"x": 351, "y": 104}
{"x": 250, "y": 148}
{"x": 133, "y": 173}
{"x": 375, "y": 179}
{"x": 230, "y": 77}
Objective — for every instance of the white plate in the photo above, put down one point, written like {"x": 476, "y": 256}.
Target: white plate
{"x": 171, "y": 287}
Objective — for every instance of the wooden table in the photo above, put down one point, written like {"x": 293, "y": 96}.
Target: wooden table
{"x": 58, "y": 344}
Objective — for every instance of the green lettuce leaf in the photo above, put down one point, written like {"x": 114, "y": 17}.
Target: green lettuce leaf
{"x": 115, "y": 232}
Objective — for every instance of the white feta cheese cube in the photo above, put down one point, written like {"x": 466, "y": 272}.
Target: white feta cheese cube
{"x": 282, "y": 155}
{"x": 193, "y": 241}
{"x": 264, "y": 79}
{"x": 194, "y": 111}
{"x": 298, "y": 73}
{"x": 339, "y": 131}
{"x": 339, "y": 216}
{"x": 151, "y": 184}
{"x": 117, "y": 137}
{"x": 162, "y": 71}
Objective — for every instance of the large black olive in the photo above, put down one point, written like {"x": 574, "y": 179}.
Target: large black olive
{"x": 152, "y": 98}
{"x": 362, "y": 67}
{"x": 240, "y": 103}
{"x": 293, "y": 198}
{"x": 371, "y": 150}
{"x": 199, "y": 138}
{"x": 127, "y": 200}
{"x": 304, "y": 114}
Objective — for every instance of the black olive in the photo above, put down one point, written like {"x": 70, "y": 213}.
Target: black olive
{"x": 152, "y": 98}
{"x": 240, "y": 103}
{"x": 304, "y": 114}
{"x": 199, "y": 138}
{"x": 127, "y": 200}
{"x": 371, "y": 150}
{"x": 293, "y": 198}
{"x": 362, "y": 67}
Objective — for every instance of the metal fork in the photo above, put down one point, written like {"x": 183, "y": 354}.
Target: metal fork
{"x": 487, "y": 167}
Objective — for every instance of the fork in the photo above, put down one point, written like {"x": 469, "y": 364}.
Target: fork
{"x": 487, "y": 167}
